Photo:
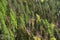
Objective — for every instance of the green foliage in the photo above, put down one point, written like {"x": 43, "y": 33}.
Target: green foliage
{"x": 13, "y": 19}
{"x": 30, "y": 19}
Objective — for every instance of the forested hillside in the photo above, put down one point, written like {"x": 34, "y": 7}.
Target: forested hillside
{"x": 29, "y": 19}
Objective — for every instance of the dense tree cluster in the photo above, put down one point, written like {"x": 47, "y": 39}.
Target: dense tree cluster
{"x": 29, "y": 19}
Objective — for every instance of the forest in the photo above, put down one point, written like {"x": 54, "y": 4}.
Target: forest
{"x": 29, "y": 19}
